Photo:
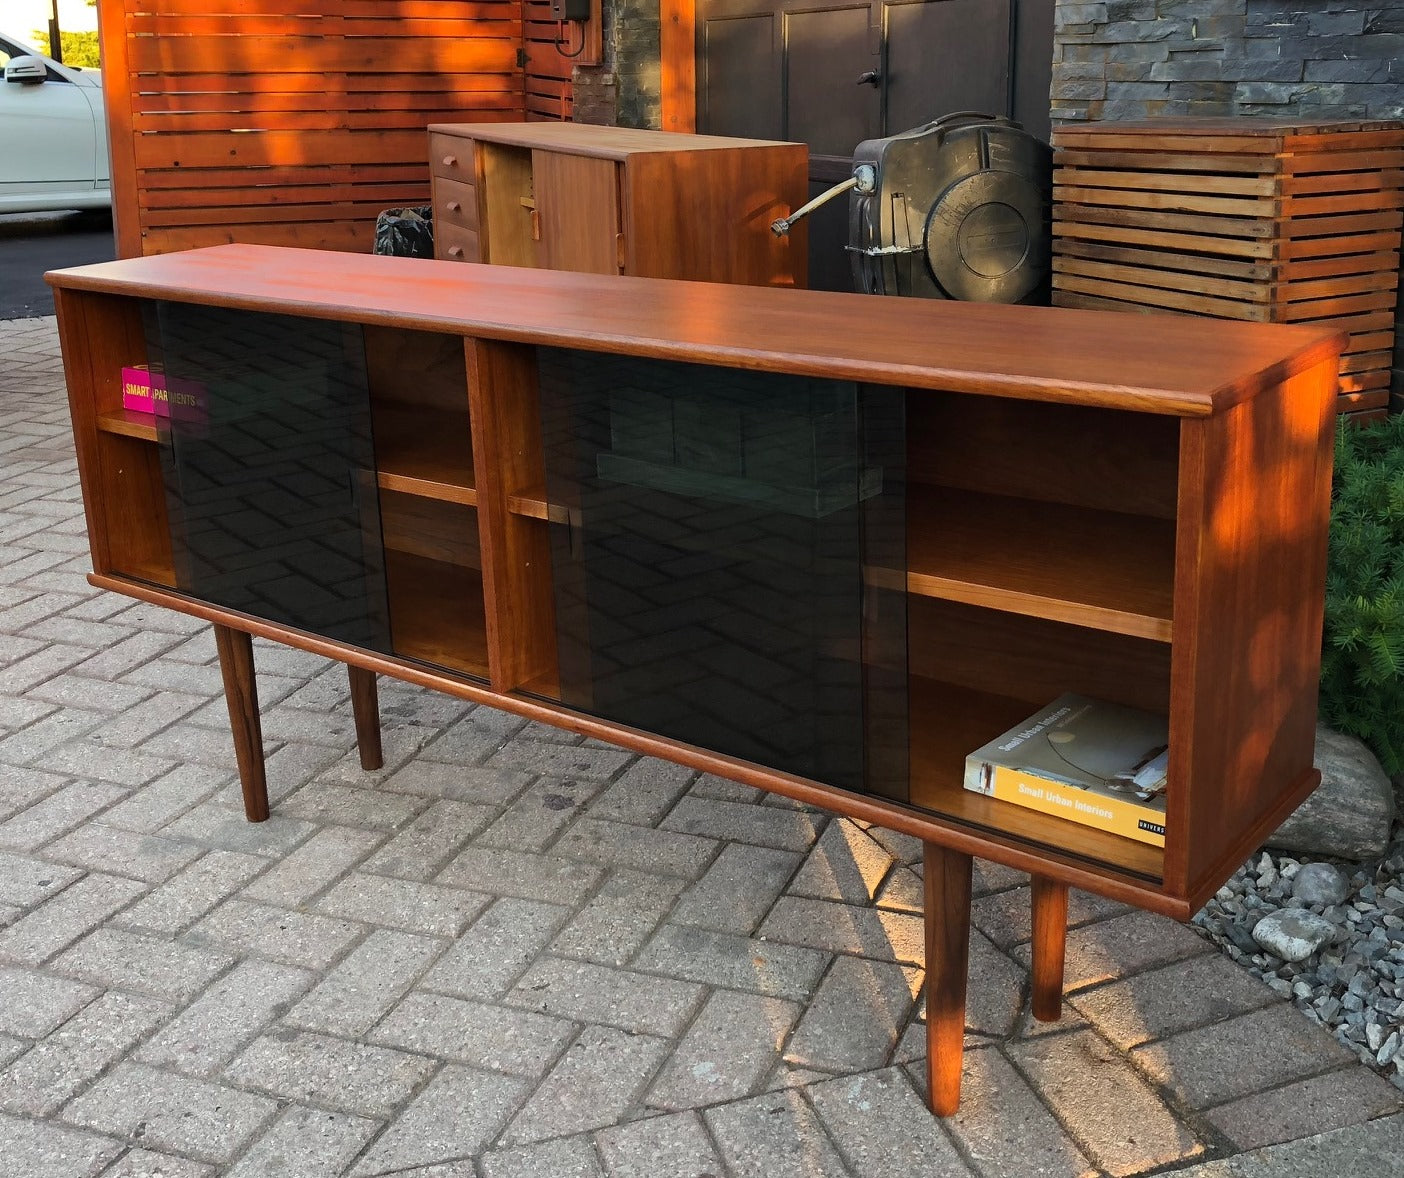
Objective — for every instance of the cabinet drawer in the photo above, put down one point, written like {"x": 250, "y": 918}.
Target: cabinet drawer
{"x": 453, "y": 243}
{"x": 455, "y": 204}
{"x": 451, "y": 157}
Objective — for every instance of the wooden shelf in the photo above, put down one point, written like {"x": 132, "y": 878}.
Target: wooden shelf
{"x": 129, "y": 423}
{"x": 532, "y": 504}
{"x": 436, "y": 612}
{"x": 948, "y": 723}
{"x": 424, "y": 451}
{"x": 1100, "y": 569}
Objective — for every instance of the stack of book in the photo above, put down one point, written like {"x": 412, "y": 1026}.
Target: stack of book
{"x": 1096, "y": 763}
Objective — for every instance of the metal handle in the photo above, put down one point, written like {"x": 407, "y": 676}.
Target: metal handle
{"x": 870, "y": 78}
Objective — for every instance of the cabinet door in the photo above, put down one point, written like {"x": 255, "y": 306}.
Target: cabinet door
{"x": 577, "y": 207}
{"x": 269, "y": 468}
{"x": 731, "y": 573}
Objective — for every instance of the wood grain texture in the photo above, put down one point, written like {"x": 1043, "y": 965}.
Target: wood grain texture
{"x": 1050, "y": 935}
{"x": 1185, "y": 366}
{"x": 236, "y": 667}
{"x": 505, "y": 203}
{"x": 577, "y": 210}
{"x": 616, "y": 143}
{"x": 677, "y": 51}
{"x": 366, "y": 708}
{"x": 946, "y": 876}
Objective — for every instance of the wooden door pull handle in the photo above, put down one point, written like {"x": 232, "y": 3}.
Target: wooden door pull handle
{"x": 455, "y": 251}
{"x": 453, "y": 206}
{"x": 450, "y": 161}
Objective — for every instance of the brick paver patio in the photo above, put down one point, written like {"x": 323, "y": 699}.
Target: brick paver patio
{"x": 514, "y": 953}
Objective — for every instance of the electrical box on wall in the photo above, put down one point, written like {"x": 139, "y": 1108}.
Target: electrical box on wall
{"x": 570, "y": 10}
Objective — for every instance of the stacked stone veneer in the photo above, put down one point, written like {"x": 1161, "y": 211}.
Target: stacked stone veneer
{"x": 626, "y": 89}
{"x": 1308, "y": 59}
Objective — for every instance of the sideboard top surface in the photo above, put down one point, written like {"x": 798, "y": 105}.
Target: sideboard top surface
{"x": 617, "y": 143}
{"x": 1159, "y": 364}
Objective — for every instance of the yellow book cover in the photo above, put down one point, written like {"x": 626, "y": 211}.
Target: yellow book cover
{"x": 1092, "y": 762}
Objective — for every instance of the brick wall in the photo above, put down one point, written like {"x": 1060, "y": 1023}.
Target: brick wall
{"x": 627, "y": 89}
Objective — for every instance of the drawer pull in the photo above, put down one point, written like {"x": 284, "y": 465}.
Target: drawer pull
{"x": 455, "y": 251}
{"x": 453, "y": 206}
{"x": 450, "y": 161}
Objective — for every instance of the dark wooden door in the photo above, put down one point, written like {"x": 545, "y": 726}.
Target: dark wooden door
{"x": 831, "y": 73}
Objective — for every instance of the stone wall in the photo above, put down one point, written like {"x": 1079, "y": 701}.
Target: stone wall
{"x": 626, "y": 90}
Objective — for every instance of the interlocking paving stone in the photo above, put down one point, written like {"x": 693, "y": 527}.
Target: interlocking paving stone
{"x": 584, "y": 992}
{"x": 21, "y": 788}
{"x": 297, "y": 938}
{"x": 92, "y": 759}
{"x": 1114, "y": 1115}
{"x": 774, "y": 1136}
{"x": 456, "y": 1116}
{"x": 214, "y": 825}
{"x": 876, "y": 1121}
{"x": 98, "y": 1035}
{"x": 568, "y": 1157}
{"x": 520, "y": 1042}
{"x": 147, "y": 965}
{"x": 846, "y": 928}
{"x": 20, "y": 748}
{"x": 212, "y": 1029}
{"x": 618, "y": 844}
{"x": 620, "y": 917}
{"x": 1371, "y": 1150}
{"x": 136, "y": 727}
{"x": 846, "y": 864}
{"x": 1175, "y": 998}
{"x": 403, "y": 903}
{"x": 30, "y": 1149}
{"x": 1007, "y": 917}
{"x": 1305, "y": 1108}
{"x": 740, "y": 963}
{"x": 528, "y": 877}
{"x": 184, "y": 898}
{"x": 675, "y": 1146}
{"x": 728, "y": 1050}
{"x": 321, "y": 801}
{"x": 719, "y": 789}
{"x": 57, "y": 813}
{"x": 460, "y": 783}
{"x": 855, "y": 1017}
{"x": 165, "y": 799}
{"x": 355, "y": 995}
{"x": 901, "y": 891}
{"x": 559, "y": 760}
{"x": 538, "y": 814}
{"x": 306, "y": 1143}
{"x": 144, "y": 1163}
{"x": 32, "y": 1003}
{"x": 994, "y": 989}
{"x": 422, "y": 848}
{"x": 26, "y": 881}
{"x": 1123, "y": 945}
{"x": 353, "y": 1077}
{"x": 490, "y": 956}
{"x": 210, "y": 1122}
{"x": 737, "y": 890}
{"x": 644, "y": 793}
{"x": 766, "y": 826}
{"x": 325, "y": 857}
{"x": 596, "y": 1081}
{"x": 1005, "y": 1130}
{"x": 1210, "y": 1065}
{"x": 146, "y": 857}
{"x": 59, "y": 922}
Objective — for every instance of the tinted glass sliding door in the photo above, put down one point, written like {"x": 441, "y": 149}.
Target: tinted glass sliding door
{"x": 269, "y": 467}
{"x": 729, "y": 575}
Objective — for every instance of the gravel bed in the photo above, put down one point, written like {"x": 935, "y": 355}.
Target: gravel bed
{"x": 1330, "y": 936}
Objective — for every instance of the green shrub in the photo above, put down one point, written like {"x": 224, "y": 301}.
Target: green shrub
{"x": 1362, "y": 656}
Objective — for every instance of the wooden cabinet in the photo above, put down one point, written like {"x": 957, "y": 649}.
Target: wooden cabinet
{"x": 613, "y": 200}
{"x": 823, "y": 544}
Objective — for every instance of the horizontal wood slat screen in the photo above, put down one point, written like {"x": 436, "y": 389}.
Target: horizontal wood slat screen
{"x": 239, "y": 120}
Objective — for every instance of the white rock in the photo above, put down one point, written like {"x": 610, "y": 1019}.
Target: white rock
{"x": 1293, "y": 934}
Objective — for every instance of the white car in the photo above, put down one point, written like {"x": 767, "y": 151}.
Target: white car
{"x": 53, "y": 134}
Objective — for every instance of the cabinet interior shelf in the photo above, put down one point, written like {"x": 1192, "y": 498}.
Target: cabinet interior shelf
{"x": 424, "y": 451}
{"x": 436, "y": 612}
{"x": 1100, "y": 569}
{"x": 959, "y": 720}
{"x": 129, "y": 423}
{"x": 533, "y": 504}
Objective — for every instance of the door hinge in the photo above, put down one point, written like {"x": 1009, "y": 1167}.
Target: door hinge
{"x": 521, "y": 59}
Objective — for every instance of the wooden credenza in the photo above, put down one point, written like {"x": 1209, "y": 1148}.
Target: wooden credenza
{"x": 616, "y": 200}
{"x": 823, "y": 544}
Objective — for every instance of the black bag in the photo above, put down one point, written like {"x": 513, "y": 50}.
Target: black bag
{"x": 405, "y": 233}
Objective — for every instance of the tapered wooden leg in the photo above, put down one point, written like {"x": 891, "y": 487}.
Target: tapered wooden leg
{"x": 947, "y": 967}
{"x": 1050, "y": 936}
{"x": 367, "y": 710}
{"x": 241, "y": 694}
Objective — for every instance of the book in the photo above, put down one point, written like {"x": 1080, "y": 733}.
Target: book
{"x": 1092, "y": 762}
{"x": 152, "y": 392}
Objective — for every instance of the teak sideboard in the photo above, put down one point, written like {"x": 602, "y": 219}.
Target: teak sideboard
{"x": 618, "y": 200}
{"x": 823, "y": 544}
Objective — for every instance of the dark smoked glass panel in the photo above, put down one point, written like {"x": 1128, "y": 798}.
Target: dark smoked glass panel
{"x": 268, "y": 468}
{"x": 710, "y": 585}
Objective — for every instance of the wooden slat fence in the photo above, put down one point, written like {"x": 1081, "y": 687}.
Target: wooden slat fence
{"x": 257, "y": 121}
